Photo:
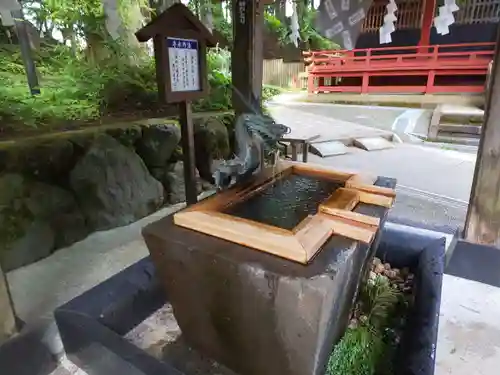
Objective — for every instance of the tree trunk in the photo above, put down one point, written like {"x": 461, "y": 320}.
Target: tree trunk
{"x": 280, "y": 10}
{"x": 163, "y": 5}
{"x": 96, "y": 49}
{"x": 123, "y": 26}
{"x": 206, "y": 14}
{"x": 68, "y": 34}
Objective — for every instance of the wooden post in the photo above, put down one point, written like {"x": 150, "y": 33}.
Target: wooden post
{"x": 247, "y": 54}
{"x": 187, "y": 140}
{"x": 427, "y": 19}
{"x": 482, "y": 223}
{"x": 24, "y": 44}
{"x": 7, "y": 317}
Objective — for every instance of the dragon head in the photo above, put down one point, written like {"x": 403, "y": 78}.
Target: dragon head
{"x": 251, "y": 131}
{"x": 265, "y": 130}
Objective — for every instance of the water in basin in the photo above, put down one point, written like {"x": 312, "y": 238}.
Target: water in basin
{"x": 287, "y": 202}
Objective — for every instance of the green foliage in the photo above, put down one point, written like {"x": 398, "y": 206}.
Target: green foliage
{"x": 219, "y": 79}
{"x": 225, "y": 28}
{"x": 357, "y": 353}
{"x": 378, "y": 299}
{"x": 274, "y": 25}
{"x": 269, "y": 91}
{"x": 73, "y": 89}
{"x": 77, "y": 90}
{"x": 369, "y": 348}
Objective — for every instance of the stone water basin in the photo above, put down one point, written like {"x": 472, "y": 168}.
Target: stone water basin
{"x": 249, "y": 311}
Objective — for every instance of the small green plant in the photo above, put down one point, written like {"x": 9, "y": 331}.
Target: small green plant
{"x": 357, "y": 353}
{"x": 378, "y": 299}
{"x": 368, "y": 346}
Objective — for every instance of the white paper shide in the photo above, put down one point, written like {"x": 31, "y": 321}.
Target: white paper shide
{"x": 445, "y": 17}
{"x": 184, "y": 64}
{"x": 389, "y": 20}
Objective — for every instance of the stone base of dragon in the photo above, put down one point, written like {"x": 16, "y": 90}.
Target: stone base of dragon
{"x": 253, "y": 133}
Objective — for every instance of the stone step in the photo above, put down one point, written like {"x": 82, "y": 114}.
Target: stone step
{"x": 460, "y": 129}
{"x": 461, "y": 139}
{"x": 326, "y": 149}
{"x": 458, "y": 114}
{"x": 373, "y": 143}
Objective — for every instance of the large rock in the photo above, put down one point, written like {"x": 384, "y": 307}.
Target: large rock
{"x": 47, "y": 160}
{"x": 127, "y": 135}
{"x": 35, "y": 219}
{"x": 158, "y": 143}
{"x": 113, "y": 185}
{"x": 211, "y": 141}
{"x": 174, "y": 182}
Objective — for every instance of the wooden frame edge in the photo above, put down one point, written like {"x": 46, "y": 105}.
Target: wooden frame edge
{"x": 302, "y": 243}
{"x": 258, "y": 236}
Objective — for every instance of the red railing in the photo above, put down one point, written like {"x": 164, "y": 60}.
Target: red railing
{"x": 424, "y": 69}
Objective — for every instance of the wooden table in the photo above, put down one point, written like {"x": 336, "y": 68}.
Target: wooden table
{"x": 296, "y": 140}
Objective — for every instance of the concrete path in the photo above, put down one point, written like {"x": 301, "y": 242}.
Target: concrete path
{"x": 400, "y": 100}
{"x": 39, "y": 288}
{"x": 433, "y": 182}
{"x": 444, "y": 172}
{"x": 469, "y": 328}
{"x": 329, "y": 128}
{"x": 399, "y": 120}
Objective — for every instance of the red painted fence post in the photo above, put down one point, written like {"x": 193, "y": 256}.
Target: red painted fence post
{"x": 310, "y": 83}
{"x": 429, "y": 88}
{"x": 365, "y": 82}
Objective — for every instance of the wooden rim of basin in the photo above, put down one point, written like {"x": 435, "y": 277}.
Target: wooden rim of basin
{"x": 335, "y": 214}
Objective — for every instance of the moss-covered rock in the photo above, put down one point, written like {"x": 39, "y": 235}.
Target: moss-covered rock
{"x": 215, "y": 134}
{"x": 48, "y": 160}
{"x": 158, "y": 143}
{"x": 174, "y": 179}
{"x": 127, "y": 136}
{"x": 211, "y": 139}
{"x": 113, "y": 185}
{"x": 35, "y": 218}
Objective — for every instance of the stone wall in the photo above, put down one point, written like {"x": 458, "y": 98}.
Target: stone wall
{"x": 55, "y": 190}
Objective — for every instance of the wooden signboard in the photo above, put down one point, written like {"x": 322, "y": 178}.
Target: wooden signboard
{"x": 335, "y": 215}
{"x": 180, "y": 42}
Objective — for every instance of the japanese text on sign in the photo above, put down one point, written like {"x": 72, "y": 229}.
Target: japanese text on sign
{"x": 184, "y": 64}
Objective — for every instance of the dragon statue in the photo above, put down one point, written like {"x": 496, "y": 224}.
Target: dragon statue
{"x": 253, "y": 133}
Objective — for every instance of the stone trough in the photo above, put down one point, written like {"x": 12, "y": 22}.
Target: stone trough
{"x": 278, "y": 307}
{"x": 96, "y": 327}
